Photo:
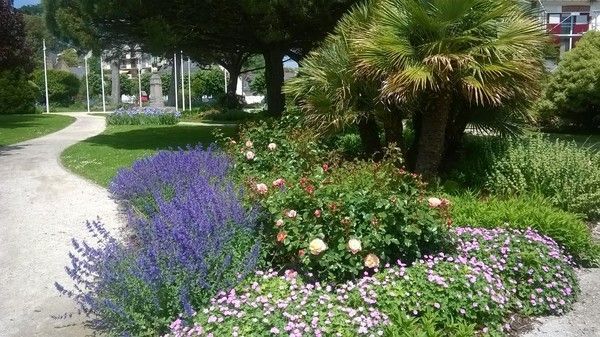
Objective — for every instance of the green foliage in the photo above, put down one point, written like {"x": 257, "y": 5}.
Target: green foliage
{"x": 349, "y": 145}
{"x": 572, "y": 96}
{"x": 128, "y": 87}
{"x": 562, "y": 172}
{"x": 529, "y": 212}
{"x": 63, "y": 86}
{"x": 208, "y": 82}
{"x": 259, "y": 83}
{"x": 17, "y": 94}
{"x": 143, "y": 116}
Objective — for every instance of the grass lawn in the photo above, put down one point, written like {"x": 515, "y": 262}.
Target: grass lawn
{"x": 18, "y": 128}
{"x": 100, "y": 157}
{"x": 591, "y": 141}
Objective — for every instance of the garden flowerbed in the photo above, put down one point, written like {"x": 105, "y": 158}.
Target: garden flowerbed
{"x": 144, "y": 116}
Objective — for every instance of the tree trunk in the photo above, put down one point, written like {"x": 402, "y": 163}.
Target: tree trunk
{"x": 115, "y": 91}
{"x": 274, "y": 79}
{"x": 394, "y": 129}
{"x": 430, "y": 148}
{"x": 455, "y": 131}
{"x": 411, "y": 154}
{"x": 369, "y": 136}
{"x": 231, "y": 98}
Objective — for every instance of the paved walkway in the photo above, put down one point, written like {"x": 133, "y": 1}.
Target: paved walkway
{"x": 42, "y": 206}
{"x": 583, "y": 320}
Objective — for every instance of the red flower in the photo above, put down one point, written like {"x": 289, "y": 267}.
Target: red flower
{"x": 325, "y": 167}
{"x": 318, "y": 213}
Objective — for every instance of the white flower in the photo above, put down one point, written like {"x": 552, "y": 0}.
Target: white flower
{"x": 249, "y": 143}
{"x": 371, "y": 261}
{"x": 291, "y": 213}
{"x": 279, "y": 223}
{"x": 250, "y": 155}
{"x": 262, "y": 188}
{"x": 354, "y": 245}
{"x": 317, "y": 246}
{"x": 434, "y": 202}
{"x": 272, "y": 146}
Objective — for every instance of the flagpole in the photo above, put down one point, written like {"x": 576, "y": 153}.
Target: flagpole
{"x": 140, "y": 80}
{"x": 87, "y": 83}
{"x": 182, "y": 83}
{"x": 46, "y": 78}
{"x": 102, "y": 81}
{"x": 190, "y": 83}
{"x": 176, "y": 82}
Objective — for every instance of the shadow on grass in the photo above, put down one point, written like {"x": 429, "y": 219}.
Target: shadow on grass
{"x": 152, "y": 138}
{"x": 20, "y": 121}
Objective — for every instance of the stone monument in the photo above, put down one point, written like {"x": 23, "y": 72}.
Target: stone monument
{"x": 156, "y": 94}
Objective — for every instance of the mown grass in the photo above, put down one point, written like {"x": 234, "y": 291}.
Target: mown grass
{"x": 18, "y": 128}
{"x": 99, "y": 158}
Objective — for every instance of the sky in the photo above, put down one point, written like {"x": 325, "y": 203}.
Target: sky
{"x": 21, "y": 3}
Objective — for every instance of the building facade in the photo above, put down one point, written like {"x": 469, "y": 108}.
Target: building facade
{"x": 568, "y": 20}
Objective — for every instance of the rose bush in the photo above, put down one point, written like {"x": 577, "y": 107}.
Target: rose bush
{"x": 339, "y": 221}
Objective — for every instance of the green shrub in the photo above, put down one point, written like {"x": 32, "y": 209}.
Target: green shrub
{"x": 143, "y": 116}
{"x": 276, "y": 148}
{"x": 17, "y": 94}
{"x": 63, "y": 86}
{"x": 565, "y": 174}
{"x": 349, "y": 145}
{"x": 229, "y": 115}
{"x": 572, "y": 96}
{"x": 529, "y": 212}
{"x": 338, "y": 222}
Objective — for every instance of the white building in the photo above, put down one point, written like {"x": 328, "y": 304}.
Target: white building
{"x": 568, "y": 20}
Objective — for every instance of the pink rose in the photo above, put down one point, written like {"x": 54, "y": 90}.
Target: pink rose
{"x": 318, "y": 213}
{"x": 291, "y": 214}
{"x": 279, "y": 182}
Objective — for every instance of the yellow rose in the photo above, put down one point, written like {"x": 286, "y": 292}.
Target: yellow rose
{"x": 371, "y": 261}
{"x": 317, "y": 246}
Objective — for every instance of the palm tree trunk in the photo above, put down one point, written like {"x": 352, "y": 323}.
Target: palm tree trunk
{"x": 369, "y": 136}
{"x": 432, "y": 137}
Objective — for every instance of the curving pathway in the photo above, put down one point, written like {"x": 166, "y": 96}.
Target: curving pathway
{"x": 42, "y": 206}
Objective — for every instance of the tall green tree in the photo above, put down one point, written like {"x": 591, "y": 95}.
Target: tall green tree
{"x": 272, "y": 28}
{"x": 443, "y": 63}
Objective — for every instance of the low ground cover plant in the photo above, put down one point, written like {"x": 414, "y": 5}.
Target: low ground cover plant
{"x": 195, "y": 241}
{"x": 565, "y": 174}
{"x": 143, "y": 116}
{"x": 569, "y": 230}
{"x": 471, "y": 291}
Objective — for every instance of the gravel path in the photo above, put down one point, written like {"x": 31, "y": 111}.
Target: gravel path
{"x": 583, "y": 320}
{"x": 42, "y": 206}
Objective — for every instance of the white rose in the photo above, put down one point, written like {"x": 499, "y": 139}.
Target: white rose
{"x": 434, "y": 202}
{"x": 279, "y": 223}
{"x": 250, "y": 155}
{"x": 317, "y": 246}
{"x": 354, "y": 245}
{"x": 291, "y": 213}
{"x": 249, "y": 144}
{"x": 371, "y": 261}
{"x": 262, "y": 188}
{"x": 272, "y": 146}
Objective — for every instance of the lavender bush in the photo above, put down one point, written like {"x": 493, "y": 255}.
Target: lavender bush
{"x": 198, "y": 241}
{"x": 473, "y": 291}
{"x": 144, "y": 116}
{"x": 161, "y": 176}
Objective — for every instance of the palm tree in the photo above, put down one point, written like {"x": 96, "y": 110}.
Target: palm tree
{"x": 328, "y": 90}
{"x": 454, "y": 59}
